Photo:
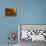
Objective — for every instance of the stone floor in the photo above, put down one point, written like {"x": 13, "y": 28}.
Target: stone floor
{"x": 28, "y": 43}
{"x": 34, "y": 43}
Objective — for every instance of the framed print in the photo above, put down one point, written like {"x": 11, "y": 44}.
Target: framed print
{"x": 10, "y": 11}
{"x": 32, "y": 32}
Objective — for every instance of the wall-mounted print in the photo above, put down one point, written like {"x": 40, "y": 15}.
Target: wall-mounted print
{"x": 10, "y": 11}
{"x": 32, "y": 32}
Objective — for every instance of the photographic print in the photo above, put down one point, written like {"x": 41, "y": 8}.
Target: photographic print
{"x": 10, "y": 11}
{"x": 33, "y": 32}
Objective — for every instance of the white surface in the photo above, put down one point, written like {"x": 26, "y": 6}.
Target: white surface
{"x": 15, "y": 45}
{"x": 37, "y": 37}
{"x": 24, "y": 33}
